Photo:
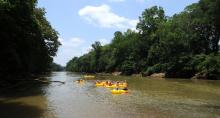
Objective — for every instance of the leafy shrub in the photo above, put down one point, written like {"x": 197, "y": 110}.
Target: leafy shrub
{"x": 206, "y": 66}
{"x": 127, "y": 68}
{"x": 182, "y": 68}
{"x": 157, "y": 68}
{"x": 210, "y": 66}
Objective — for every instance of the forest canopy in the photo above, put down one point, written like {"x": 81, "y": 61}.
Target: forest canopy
{"x": 181, "y": 46}
{"x": 28, "y": 41}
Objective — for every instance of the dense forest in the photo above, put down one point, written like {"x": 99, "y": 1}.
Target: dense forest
{"x": 181, "y": 46}
{"x": 28, "y": 41}
{"x": 56, "y": 67}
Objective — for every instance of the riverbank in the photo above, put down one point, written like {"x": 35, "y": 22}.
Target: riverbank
{"x": 199, "y": 76}
{"x": 152, "y": 76}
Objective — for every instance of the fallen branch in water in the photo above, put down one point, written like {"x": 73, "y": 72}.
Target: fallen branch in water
{"x": 47, "y": 81}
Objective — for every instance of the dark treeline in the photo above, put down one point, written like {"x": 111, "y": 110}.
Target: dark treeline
{"x": 56, "y": 67}
{"x": 181, "y": 46}
{"x": 28, "y": 42}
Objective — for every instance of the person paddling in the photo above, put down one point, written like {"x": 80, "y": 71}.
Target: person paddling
{"x": 125, "y": 88}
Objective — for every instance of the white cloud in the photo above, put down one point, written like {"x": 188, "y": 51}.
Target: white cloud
{"x": 104, "y": 17}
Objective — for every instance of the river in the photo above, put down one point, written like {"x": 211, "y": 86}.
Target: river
{"x": 147, "y": 98}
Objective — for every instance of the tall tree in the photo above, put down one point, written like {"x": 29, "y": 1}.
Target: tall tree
{"x": 28, "y": 40}
{"x": 97, "y": 53}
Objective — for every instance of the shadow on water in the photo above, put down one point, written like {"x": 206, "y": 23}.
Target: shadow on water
{"x": 18, "y": 110}
{"x": 23, "y": 89}
{"x": 16, "y": 101}
{"x": 16, "y": 88}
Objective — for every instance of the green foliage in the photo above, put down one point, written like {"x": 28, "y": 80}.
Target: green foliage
{"x": 208, "y": 65}
{"x": 151, "y": 19}
{"x": 157, "y": 68}
{"x": 181, "y": 46}
{"x": 97, "y": 53}
{"x": 181, "y": 68}
{"x": 28, "y": 40}
{"x": 56, "y": 67}
{"x": 127, "y": 68}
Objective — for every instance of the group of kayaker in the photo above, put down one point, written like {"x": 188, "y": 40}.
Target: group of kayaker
{"x": 119, "y": 87}
{"x": 80, "y": 81}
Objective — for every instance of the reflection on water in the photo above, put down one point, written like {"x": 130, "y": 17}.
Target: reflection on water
{"x": 147, "y": 98}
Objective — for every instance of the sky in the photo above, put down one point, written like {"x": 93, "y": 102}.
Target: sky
{"x": 82, "y": 22}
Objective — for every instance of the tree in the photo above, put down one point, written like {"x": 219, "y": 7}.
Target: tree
{"x": 28, "y": 40}
{"x": 97, "y": 53}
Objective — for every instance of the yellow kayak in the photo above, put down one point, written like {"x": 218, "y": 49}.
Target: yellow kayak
{"x": 122, "y": 85}
{"x": 118, "y": 91}
{"x": 112, "y": 86}
{"x": 99, "y": 84}
{"x": 115, "y": 86}
{"x": 89, "y": 76}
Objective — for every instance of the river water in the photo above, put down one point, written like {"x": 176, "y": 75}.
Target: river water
{"x": 147, "y": 98}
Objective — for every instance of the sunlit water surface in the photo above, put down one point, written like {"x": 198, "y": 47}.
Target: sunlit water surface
{"x": 147, "y": 98}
